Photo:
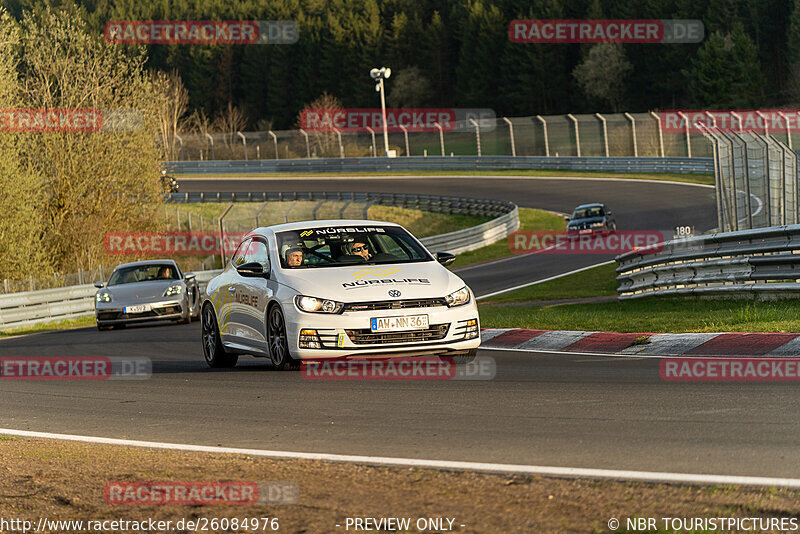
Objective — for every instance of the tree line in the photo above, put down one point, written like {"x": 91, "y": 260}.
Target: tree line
{"x": 456, "y": 53}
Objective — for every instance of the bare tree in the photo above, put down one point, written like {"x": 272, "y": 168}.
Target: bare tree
{"x": 172, "y": 106}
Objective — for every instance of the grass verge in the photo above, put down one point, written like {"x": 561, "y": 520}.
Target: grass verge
{"x": 707, "y": 179}
{"x": 80, "y": 322}
{"x": 654, "y": 314}
{"x": 529, "y": 219}
{"x": 64, "y": 480}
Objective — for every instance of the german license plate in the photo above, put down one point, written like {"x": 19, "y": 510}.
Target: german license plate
{"x": 398, "y": 324}
{"x": 140, "y": 308}
{"x": 585, "y": 232}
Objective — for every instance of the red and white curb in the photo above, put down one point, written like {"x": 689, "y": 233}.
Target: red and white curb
{"x": 650, "y": 344}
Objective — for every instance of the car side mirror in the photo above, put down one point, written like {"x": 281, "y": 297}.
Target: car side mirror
{"x": 189, "y": 277}
{"x": 445, "y": 258}
{"x": 99, "y": 285}
{"x": 252, "y": 269}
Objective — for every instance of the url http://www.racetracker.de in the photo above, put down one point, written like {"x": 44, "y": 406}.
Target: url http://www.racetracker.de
{"x": 198, "y": 524}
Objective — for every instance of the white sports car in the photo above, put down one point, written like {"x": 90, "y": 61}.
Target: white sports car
{"x": 330, "y": 289}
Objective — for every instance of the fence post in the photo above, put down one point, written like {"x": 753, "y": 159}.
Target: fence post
{"x": 372, "y": 146}
{"x": 102, "y": 274}
{"x": 633, "y": 132}
{"x": 308, "y": 146}
{"x": 688, "y": 140}
{"x": 605, "y": 131}
{"x": 546, "y": 139}
{"x": 5, "y": 285}
{"x": 441, "y": 135}
{"x": 80, "y": 276}
{"x": 660, "y": 133}
{"x": 577, "y": 133}
{"x": 212, "y": 145}
{"x": 405, "y": 135}
{"x": 222, "y": 235}
{"x": 341, "y": 146}
{"x": 30, "y": 280}
{"x": 275, "y": 140}
{"x": 244, "y": 143}
{"x": 511, "y": 135}
{"x": 477, "y": 134}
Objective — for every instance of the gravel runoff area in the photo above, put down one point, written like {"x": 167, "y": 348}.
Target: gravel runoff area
{"x": 62, "y": 480}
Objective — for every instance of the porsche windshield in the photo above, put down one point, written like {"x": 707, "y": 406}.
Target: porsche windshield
{"x": 143, "y": 273}
{"x": 348, "y": 245}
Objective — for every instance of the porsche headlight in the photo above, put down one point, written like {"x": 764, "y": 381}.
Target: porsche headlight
{"x": 174, "y": 289}
{"x": 315, "y": 305}
{"x": 457, "y": 298}
{"x": 103, "y": 296}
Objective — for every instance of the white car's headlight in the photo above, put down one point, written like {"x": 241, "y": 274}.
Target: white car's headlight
{"x": 174, "y": 289}
{"x": 103, "y": 296}
{"x": 457, "y": 298}
{"x": 315, "y": 305}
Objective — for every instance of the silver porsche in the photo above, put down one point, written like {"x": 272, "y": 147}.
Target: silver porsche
{"x": 141, "y": 291}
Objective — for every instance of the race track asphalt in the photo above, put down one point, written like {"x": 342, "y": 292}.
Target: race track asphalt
{"x": 545, "y": 409}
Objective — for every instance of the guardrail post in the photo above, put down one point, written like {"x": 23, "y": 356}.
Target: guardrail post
{"x": 633, "y": 132}
{"x": 30, "y": 282}
{"x": 577, "y": 133}
{"x": 477, "y": 134}
{"x": 546, "y": 139}
{"x": 80, "y": 276}
{"x": 441, "y": 135}
{"x": 605, "y": 131}
{"x": 511, "y": 135}
{"x": 5, "y": 285}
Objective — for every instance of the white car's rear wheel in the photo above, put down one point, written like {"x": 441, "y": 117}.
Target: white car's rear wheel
{"x": 213, "y": 349}
{"x": 278, "y": 342}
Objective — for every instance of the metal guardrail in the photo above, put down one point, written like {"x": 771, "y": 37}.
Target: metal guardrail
{"x": 764, "y": 261}
{"x": 433, "y": 203}
{"x": 681, "y": 165}
{"x": 19, "y": 310}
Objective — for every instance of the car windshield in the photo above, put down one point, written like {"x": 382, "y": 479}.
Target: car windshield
{"x": 143, "y": 273}
{"x": 586, "y": 213}
{"x": 348, "y": 245}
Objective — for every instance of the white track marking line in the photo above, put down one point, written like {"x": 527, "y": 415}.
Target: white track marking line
{"x": 543, "y": 280}
{"x": 427, "y": 177}
{"x": 645, "y": 476}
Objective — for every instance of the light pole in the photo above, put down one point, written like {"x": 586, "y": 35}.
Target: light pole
{"x": 379, "y": 75}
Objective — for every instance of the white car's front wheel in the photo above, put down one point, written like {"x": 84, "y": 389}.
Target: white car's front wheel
{"x": 278, "y": 342}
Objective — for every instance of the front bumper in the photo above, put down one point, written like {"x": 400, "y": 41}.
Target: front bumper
{"x": 349, "y": 334}
{"x": 112, "y": 314}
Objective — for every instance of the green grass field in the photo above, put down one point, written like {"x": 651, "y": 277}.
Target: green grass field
{"x": 646, "y": 315}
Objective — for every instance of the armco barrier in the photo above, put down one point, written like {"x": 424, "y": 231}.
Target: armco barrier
{"x": 26, "y": 309}
{"x": 764, "y": 261}
{"x": 452, "y": 163}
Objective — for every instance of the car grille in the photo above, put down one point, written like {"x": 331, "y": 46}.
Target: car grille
{"x": 394, "y": 304}
{"x": 364, "y": 336}
{"x": 156, "y": 312}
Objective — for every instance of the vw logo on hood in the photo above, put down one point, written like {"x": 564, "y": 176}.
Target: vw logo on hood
{"x": 394, "y": 293}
